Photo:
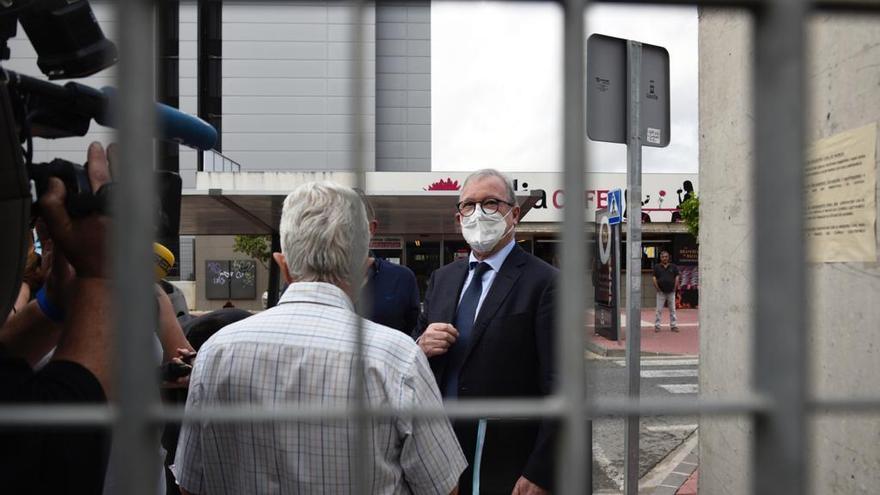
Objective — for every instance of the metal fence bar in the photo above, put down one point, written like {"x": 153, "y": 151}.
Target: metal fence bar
{"x": 79, "y": 415}
{"x": 552, "y": 407}
{"x": 134, "y": 216}
{"x": 574, "y": 469}
{"x": 780, "y": 368}
{"x": 360, "y": 415}
{"x": 780, "y": 446}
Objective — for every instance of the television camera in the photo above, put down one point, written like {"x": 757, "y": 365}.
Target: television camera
{"x": 70, "y": 44}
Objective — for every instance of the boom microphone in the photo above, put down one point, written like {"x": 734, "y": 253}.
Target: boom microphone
{"x": 74, "y": 105}
{"x": 173, "y": 124}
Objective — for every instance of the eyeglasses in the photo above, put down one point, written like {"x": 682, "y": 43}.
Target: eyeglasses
{"x": 489, "y": 206}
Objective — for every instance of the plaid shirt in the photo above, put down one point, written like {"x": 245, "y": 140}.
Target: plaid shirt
{"x": 303, "y": 351}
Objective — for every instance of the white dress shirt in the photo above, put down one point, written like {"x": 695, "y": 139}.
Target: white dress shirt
{"x": 495, "y": 261}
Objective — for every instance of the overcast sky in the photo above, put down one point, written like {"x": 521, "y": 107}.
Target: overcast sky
{"x": 496, "y": 88}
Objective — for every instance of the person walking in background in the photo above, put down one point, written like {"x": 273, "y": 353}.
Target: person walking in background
{"x": 666, "y": 280}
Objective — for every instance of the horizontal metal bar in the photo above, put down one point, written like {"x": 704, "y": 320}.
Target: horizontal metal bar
{"x": 823, "y": 5}
{"x": 83, "y": 415}
{"x": 672, "y": 406}
{"x": 844, "y": 405}
{"x": 61, "y": 414}
{"x": 497, "y": 408}
{"x": 739, "y": 4}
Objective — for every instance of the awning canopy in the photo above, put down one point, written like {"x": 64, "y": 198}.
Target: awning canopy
{"x": 215, "y": 212}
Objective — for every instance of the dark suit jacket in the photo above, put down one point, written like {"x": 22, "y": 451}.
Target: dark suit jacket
{"x": 510, "y": 355}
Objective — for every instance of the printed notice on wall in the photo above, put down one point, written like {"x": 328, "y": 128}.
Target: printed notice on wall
{"x": 840, "y": 184}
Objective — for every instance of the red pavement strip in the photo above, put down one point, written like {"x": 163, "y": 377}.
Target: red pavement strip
{"x": 686, "y": 341}
{"x": 690, "y": 486}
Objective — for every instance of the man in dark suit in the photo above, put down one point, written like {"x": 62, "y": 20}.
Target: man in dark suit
{"x": 390, "y": 290}
{"x": 487, "y": 329}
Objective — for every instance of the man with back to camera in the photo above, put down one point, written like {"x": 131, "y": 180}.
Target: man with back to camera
{"x": 487, "y": 328}
{"x": 666, "y": 279}
{"x": 303, "y": 351}
{"x": 390, "y": 289}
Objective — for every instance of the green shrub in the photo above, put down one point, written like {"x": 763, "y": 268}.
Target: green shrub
{"x": 690, "y": 214}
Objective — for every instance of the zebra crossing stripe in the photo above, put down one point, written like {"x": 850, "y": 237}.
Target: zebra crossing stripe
{"x": 663, "y": 362}
{"x": 668, "y": 373}
{"x": 681, "y": 388}
{"x": 670, "y": 428}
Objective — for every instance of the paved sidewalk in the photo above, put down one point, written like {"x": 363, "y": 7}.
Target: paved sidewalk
{"x": 684, "y": 342}
{"x": 683, "y": 478}
{"x": 690, "y": 486}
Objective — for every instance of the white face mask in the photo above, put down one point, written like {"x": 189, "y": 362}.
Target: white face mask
{"x": 482, "y": 232}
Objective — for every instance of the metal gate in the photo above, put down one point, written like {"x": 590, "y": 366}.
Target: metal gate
{"x": 779, "y": 405}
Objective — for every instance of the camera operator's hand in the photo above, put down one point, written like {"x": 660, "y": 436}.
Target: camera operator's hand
{"x": 82, "y": 240}
{"x": 59, "y": 276}
{"x": 35, "y": 270}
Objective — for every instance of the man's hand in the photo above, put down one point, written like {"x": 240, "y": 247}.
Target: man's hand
{"x": 82, "y": 240}
{"x": 437, "y": 339}
{"x": 184, "y": 357}
{"x": 526, "y": 487}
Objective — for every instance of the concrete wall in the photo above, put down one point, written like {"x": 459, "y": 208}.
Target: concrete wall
{"x": 403, "y": 86}
{"x": 843, "y": 341}
{"x": 725, "y": 245}
{"x": 845, "y": 344}
{"x": 220, "y": 248}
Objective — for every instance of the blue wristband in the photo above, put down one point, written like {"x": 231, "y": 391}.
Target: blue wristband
{"x": 51, "y": 311}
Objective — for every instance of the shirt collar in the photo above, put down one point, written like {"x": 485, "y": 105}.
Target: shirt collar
{"x": 316, "y": 293}
{"x": 497, "y": 259}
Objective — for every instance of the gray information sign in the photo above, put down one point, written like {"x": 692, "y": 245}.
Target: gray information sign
{"x": 607, "y": 92}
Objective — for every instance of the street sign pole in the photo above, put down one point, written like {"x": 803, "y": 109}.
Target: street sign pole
{"x": 634, "y": 260}
{"x": 628, "y": 89}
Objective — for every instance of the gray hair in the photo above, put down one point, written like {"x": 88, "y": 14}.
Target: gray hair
{"x": 491, "y": 172}
{"x": 324, "y": 233}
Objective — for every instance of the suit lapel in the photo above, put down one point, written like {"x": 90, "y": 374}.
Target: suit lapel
{"x": 501, "y": 287}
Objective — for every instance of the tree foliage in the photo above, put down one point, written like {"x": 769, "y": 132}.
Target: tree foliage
{"x": 257, "y": 247}
{"x": 690, "y": 214}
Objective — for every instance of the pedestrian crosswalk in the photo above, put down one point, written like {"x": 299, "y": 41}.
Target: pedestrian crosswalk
{"x": 673, "y": 375}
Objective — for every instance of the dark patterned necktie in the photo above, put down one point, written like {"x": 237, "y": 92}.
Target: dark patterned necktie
{"x": 464, "y": 323}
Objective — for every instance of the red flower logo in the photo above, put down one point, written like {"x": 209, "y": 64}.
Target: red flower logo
{"x": 662, "y": 193}
{"x": 446, "y": 184}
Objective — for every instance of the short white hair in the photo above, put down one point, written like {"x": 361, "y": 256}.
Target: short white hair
{"x": 324, "y": 233}
{"x": 491, "y": 172}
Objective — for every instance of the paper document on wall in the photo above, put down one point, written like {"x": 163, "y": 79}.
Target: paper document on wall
{"x": 840, "y": 186}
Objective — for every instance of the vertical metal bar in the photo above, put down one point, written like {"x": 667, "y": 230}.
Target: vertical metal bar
{"x": 634, "y": 261}
{"x": 274, "y": 290}
{"x": 362, "y": 446}
{"x": 572, "y": 461}
{"x": 134, "y": 208}
{"x": 780, "y": 280}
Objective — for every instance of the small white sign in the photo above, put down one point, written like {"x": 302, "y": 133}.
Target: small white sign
{"x": 653, "y": 135}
